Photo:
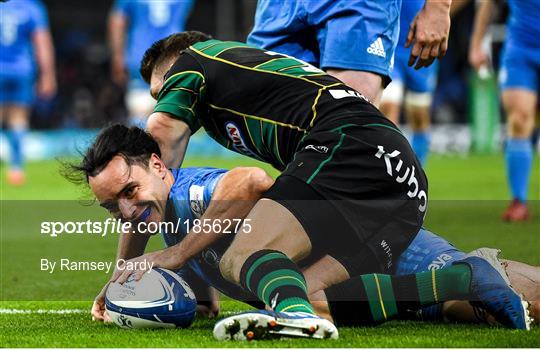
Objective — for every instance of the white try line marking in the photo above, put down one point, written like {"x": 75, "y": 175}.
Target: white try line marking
{"x": 70, "y": 311}
{"x": 42, "y": 311}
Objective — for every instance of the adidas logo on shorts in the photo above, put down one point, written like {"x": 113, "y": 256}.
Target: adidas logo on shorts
{"x": 377, "y": 48}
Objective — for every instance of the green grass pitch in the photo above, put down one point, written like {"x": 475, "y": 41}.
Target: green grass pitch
{"x": 466, "y": 198}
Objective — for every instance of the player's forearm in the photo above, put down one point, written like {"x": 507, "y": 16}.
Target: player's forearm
{"x": 441, "y": 4}
{"x": 218, "y": 215}
{"x": 131, "y": 245}
{"x": 117, "y": 27}
{"x": 234, "y": 197}
{"x": 171, "y": 135}
{"x": 481, "y": 22}
{"x": 44, "y": 52}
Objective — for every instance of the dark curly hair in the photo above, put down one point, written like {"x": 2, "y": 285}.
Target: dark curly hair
{"x": 134, "y": 144}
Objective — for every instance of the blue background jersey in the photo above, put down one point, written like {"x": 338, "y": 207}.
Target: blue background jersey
{"x": 149, "y": 21}
{"x": 409, "y": 10}
{"x": 520, "y": 57}
{"x": 19, "y": 20}
{"x": 190, "y": 196}
{"x": 345, "y": 34}
{"x": 420, "y": 81}
{"x": 523, "y": 23}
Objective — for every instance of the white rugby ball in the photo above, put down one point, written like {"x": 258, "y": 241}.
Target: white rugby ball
{"x": 160, "y": 299}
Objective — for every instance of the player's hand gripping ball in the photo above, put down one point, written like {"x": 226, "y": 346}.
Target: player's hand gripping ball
{"x": 160, "y": 299}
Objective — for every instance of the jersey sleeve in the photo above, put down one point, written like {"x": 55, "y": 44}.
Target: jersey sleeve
{"x": 182, "y": 93}
{"x": 202, "y": 188}
{"x": 40, "y": 20}
{"x": 193, "y": 189}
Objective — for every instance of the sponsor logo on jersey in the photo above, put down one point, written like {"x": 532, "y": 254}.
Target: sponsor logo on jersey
{"x": 439, "y": 262}
{"x": 377, "y": 48}
{"x": 196, "y": 200}
{"x": 388, "y": 252}
{"x": 339, "y": 94}
{"x": 320, "y": 149}
{"x": 407, "y": 175}
{"x": 238, "y": 141}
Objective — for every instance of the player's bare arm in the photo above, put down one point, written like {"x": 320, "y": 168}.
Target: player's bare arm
{"x": 172, "y": 136}
{"x": 44, "y": 52}
{"x": 117, "y": 26}
{"x": 233, "y": 198}
{"x": 478, "y": 57}
{"x": 130, "y": 245}
{"x": 428, "y": 33}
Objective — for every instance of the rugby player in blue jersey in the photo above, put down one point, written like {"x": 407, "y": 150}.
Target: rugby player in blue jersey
{"x": 519, "y": 79}
{"x": 352, "y": 40}
{"x": 26, "y": 67}
{"x": 129, "y": 179}
{"x": 419, "y": 86}
{"x": 133, "y": 27}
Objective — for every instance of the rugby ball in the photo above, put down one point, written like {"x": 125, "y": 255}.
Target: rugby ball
{"x": 160, "y": 299}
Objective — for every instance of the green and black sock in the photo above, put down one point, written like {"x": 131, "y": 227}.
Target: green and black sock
{"x": 276, "y": 280}
{"x": 376, "y": 298}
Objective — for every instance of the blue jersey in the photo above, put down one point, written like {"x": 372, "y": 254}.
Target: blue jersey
{"x": 149, "y": 21}
{"x": 418, "y": 81}
{"x": 409, "y": 10}
{"x": 523, "y": 23}
{"x": 189, "y": 197}
{"x": 19, "y": 21}
{"x": 344, "y": 34}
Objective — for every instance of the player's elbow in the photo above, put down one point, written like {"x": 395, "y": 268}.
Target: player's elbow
{"x": 252, "y": 181}
{"x": 258, "y": 180}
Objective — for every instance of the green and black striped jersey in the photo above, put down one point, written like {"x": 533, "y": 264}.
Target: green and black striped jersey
{"x": 255, "y": 102}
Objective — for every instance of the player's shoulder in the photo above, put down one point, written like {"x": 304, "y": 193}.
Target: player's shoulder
{"x": 192, "y": 189}
{"x": 225, "y": 51}
{"x": 186, "y": 179}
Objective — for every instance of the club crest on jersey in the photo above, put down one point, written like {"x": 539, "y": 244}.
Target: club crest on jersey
{"x": 235, "y": 135}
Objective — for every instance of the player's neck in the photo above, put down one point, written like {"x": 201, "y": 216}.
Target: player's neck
{"x": 169, "y": 179}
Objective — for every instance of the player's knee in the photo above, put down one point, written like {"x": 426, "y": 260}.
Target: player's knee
{"x": 419, "y": 119}
{"x": 368, "y": 84}
{"x": 260, "y": 180}
{"x": 391, "y": 111}
{"x": 521, "y": 123}
{"x": 231, "y": 264}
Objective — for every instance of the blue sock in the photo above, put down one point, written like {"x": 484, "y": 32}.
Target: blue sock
{"x": 420, "y": 145}
{"x": 519, "y": 156}
{"x": 15, "y": 138}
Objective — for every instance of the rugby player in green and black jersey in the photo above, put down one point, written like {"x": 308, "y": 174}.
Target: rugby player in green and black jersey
{"x": 351, "y": 195}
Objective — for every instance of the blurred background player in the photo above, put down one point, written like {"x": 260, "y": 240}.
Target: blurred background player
{"x": 133, "y": 26}
{"x": 419, "y": 85}
{"x": 519, "y": 79}
{"x": 26, "y": 53}
{"x": 351, "y": 40}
